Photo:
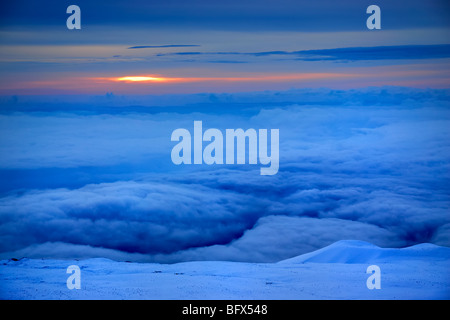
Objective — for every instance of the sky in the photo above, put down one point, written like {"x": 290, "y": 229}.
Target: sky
{"x": 234, "y": 46}
{"x": 86, "y": 118}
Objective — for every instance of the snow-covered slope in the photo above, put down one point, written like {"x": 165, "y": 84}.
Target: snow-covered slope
{"x": 334, "y": 272}
{"x": 353, "y": 251}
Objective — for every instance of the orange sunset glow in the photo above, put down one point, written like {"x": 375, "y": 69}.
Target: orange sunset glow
{"x": 277, "y": 77}
{"x": 130, "y": 83}
{"x": 141, "y": 79}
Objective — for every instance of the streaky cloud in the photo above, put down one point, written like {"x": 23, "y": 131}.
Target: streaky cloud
{"x": 407, "y": 52}
{"x": 165, "y": 46}
{"x": 403, "y": 52}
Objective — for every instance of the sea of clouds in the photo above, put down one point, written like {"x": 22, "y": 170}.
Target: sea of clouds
{"x": 94, "y": 177}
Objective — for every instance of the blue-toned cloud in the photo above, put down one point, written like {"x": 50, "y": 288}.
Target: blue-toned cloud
{"x": 273, "y": 238}
{"x": 378, "y": 53}
{"x": 165, "y": 46}
{"x": 127, "y": 216}
{"x": 368, "y": 164}
{"x": 404, "y": 52}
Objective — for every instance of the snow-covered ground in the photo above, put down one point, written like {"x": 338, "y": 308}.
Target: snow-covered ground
{"x": 334, "y": 272}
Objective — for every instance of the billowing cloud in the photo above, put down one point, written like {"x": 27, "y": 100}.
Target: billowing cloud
{"x": 367, "y": 164}
{"x": 127, "y": 216}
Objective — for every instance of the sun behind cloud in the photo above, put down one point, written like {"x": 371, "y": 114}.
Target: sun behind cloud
{"x": 141, "y": 78}
{"x": 238, "y": 78}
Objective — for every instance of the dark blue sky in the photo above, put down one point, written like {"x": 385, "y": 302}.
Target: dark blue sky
{"x": 323, "y": 15}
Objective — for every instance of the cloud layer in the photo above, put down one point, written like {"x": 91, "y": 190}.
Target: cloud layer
{"x": 370, "y": 165}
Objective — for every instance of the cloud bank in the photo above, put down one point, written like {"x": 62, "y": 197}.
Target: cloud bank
{"x": 369, "y": 164}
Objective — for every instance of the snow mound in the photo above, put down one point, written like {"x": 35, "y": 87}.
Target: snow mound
{"x": 354, "y": 251}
